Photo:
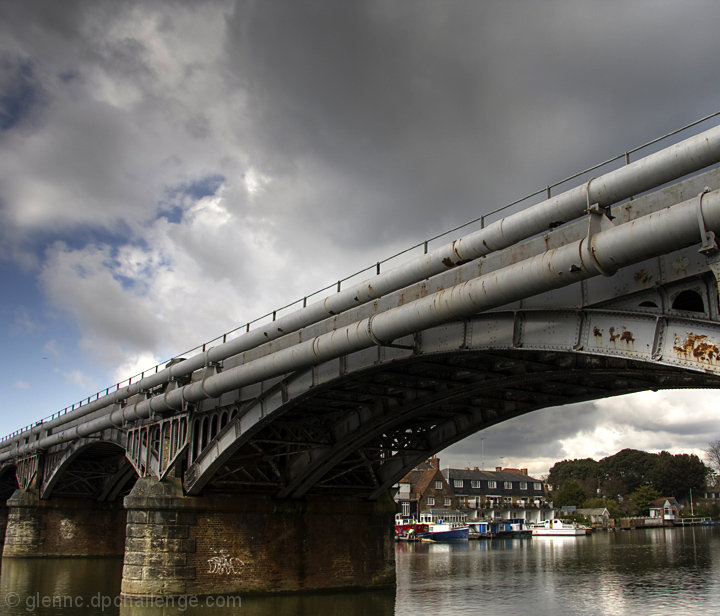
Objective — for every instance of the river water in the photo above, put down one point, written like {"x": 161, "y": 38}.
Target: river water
{"x": 647, "y": 572}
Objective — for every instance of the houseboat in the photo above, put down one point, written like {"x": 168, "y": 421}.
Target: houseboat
{"x": 483, "y": 529}
{"x": 487, "y": 529}
{"x": 447, "y": 532}
{"x": 557, "y": 527}
{"x": 445, "y": 525}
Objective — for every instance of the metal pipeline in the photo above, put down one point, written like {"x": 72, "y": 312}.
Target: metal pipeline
{"x": 668, "y": 164}
{"x": 606, "y": 251}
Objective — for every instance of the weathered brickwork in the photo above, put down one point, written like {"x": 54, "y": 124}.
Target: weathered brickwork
{"x": 3, "y": 522}
{"x": 229, "y": 544}
{"x": 62, "y": 527}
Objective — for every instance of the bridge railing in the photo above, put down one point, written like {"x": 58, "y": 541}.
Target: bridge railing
{"x": 377, "y": 268}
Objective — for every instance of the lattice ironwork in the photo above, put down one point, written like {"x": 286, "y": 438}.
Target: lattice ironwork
{"x": 154, "y": 448}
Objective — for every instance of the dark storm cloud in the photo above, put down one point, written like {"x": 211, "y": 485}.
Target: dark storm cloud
{"x": 456, "y": 106}
{"x": 533, "y": 435}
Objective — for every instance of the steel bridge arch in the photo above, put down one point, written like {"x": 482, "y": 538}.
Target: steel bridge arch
{"x": 650, "y": 340}
{"x": 8, "y": 481}
{"x": 100, "y": 467}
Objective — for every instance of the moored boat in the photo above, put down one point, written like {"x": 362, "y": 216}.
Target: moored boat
{"x": 557, "y": 527}
{"x": 487, "y": 529}
{"x": 447, "y": 532}
{"x": 410, "y": 531}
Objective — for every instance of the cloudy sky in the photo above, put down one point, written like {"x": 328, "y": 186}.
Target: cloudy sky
{"x": 171, "y": 170}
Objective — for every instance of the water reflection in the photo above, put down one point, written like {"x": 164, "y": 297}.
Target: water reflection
{"x": 347, "y": 604}
{"x": 55, "y": 587}
{"x": 603, "y": 574}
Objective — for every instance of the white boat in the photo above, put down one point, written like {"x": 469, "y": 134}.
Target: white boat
{"x": 558, "y": 527}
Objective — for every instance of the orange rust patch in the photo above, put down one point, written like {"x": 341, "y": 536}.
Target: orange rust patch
{"x": 597, "y": 332}
{"x": 696, "y": 345}
{"x": 626, "y": 336}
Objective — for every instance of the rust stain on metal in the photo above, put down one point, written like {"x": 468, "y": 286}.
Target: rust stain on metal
{"x": 625, "y": 335}
{"x": 696, "y": 345}
{"x": 643, "y": 276}
{"x": 597, "y": 332}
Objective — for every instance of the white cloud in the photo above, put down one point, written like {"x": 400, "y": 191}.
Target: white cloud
{"x": 21, "y": 385}
{"x": 134, "y": 365}
{"x": 82, "y": 381}
{"x": 50, "y": 349}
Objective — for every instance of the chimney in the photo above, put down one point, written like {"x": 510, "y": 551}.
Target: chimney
{"x": 498, "y": 469}
{"x": 476, "y": 468}
{"x": 435, "y": 462}
{"x": 524, "y": 471}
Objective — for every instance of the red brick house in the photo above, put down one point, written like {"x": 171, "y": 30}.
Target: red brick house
{"x": 424, "y": 488}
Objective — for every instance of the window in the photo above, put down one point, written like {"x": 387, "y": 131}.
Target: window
{"x": 492, "y": 484}
{"x": 438, "y": 485}
{"x": 523, "y": 485}
{"x": 406, "y": 509}
{"x": 430, "y": 501}
{"x": 458, "y": 483}
{"x": 475, "y": 483}
{"x": 447, "y": 502}
{"x": 508, "y": 485}
{"x": 537, "y": 486}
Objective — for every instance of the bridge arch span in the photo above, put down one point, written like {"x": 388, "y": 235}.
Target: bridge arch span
{"x": 358, "y": 423}
{"x": 8, "y": 481}
{"x": 89, "y": 468}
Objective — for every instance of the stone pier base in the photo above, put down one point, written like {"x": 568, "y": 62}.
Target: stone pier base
{"x": 62, "y": 527}
{"x": 182, "y": 545}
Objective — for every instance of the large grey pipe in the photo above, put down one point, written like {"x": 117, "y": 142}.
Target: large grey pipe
{"x": 606, "y": 251}
{"x": 671, "y": 163}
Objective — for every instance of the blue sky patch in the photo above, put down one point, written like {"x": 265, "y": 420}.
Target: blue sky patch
{"x": 176, "y": 198}
{"x": 19, "y": 93}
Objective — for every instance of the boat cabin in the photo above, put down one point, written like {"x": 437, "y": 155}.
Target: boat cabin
{"x": 443, "y": 516}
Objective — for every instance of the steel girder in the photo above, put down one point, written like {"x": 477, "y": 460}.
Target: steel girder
{"x": 358, "y": 422}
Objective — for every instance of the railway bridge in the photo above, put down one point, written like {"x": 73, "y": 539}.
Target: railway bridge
{"x": 265, "y": 462}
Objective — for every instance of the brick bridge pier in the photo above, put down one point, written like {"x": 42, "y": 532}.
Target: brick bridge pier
{"x": 176, "y": 545}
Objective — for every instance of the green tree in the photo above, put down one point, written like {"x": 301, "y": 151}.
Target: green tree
{"x": 609, "y": 503}
{"x": 584, "y": 471}
{"x": 570, "y": 494}
{"x": 643, "y": 498}
{"x": 630, "y": 466}
{"x": 677, "y": 475}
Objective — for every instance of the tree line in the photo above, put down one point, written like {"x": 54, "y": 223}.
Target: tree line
{"x": 628, "y": 482}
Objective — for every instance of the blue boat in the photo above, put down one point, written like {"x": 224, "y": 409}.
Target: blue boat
{"x": 447, "y": 532}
